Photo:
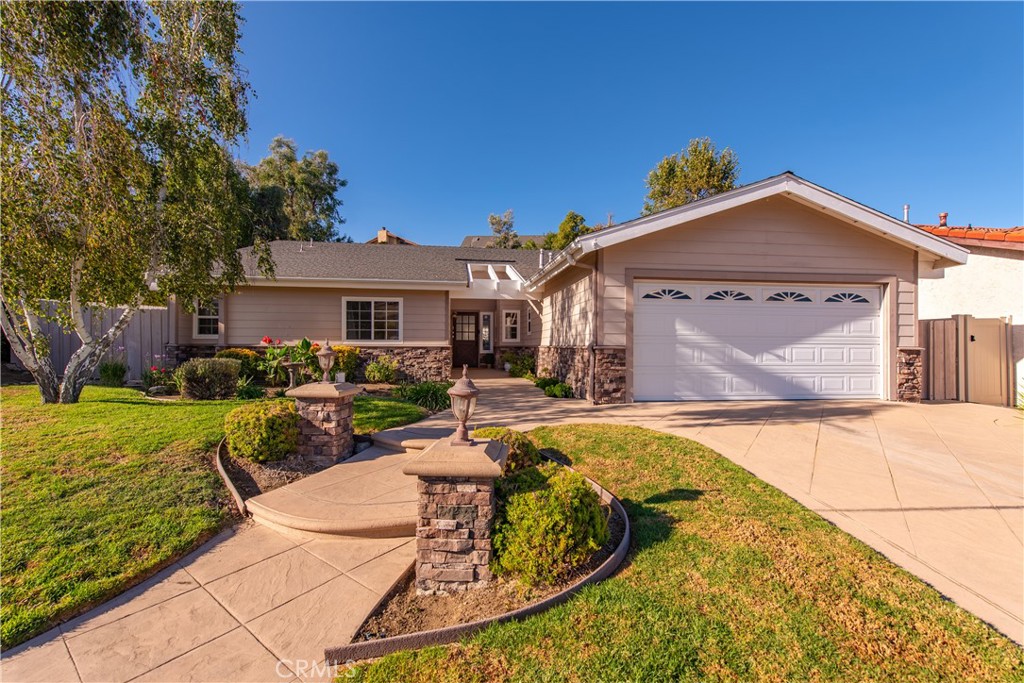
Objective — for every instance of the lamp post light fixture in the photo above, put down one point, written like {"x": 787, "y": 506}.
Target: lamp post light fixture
{"x": 325, "y": 356}
{"x": 464, "y": 395}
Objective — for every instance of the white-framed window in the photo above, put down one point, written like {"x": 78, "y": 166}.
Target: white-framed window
{"x": 486, "y": 343}
{"x": 206, "y": 321}
{"x": 372, "y": 319}
{"x": 529, "y": 321}
{"x": 510, "y": 326}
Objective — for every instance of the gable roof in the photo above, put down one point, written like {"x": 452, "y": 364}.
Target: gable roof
{"x": 998, "y": 238}
{"x": 382, "y": 263}
{"x": 787, "y": 184}
{"x": 488, "y": 240}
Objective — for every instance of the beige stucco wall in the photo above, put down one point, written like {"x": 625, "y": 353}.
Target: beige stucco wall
{"x": 771, "y": 236}
{"x": 989, "y": 285}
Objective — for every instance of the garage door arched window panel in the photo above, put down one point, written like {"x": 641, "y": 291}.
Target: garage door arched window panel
{"x": 668, "y": 294}
{"x": 847, "y": 297}
{"x": 799, "y": 297}
{"x": 728, "y": 295}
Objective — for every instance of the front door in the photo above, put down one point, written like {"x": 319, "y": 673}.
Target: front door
{"x": 465, "y": 339}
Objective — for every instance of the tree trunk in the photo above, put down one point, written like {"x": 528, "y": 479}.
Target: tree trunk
{"x": 84, "y": 361}
{"x": 37, "y": 363}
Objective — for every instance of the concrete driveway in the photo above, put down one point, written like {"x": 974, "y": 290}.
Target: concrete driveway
{"x": 937, "y": 487}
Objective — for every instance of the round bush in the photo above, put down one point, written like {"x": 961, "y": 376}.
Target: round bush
{"x": 381, "y": 370}
{"x": 262, "y": 431}
{"x": 544, "y": 533}
{"x": 205, "y": 379}
{"x": 521, "y": 451}
{"x": 247, "y": 357}
{"x": 430, "y": 395}
{"x": 558, "y": 390}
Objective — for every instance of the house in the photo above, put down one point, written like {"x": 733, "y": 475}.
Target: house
{"x": 990, "y": 285}
{"x": 385, "y": 236}
{"x": 488, "y": 240}
{"x": 780, "y": 289}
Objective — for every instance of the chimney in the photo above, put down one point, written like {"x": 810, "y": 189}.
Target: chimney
{"x": 382, "y": 236}
{"x": 942, "y": 219}
{"x": 906, "y": 213}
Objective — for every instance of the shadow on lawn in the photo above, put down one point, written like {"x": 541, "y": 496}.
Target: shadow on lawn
{"x": 652, "y": 524}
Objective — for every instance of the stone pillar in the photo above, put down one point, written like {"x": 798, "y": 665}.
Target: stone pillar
{"x": 609, "y": 375}
{"x": 325, "y": 426}
{"x": 909, "y": 374}
{"x": 456, "y": 514}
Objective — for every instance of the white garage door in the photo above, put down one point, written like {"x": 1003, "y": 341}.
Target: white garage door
{"x": 697, "y": 341}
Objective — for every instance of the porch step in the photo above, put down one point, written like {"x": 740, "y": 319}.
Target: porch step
{"x": 411, "y": 438}
{"x": 365, "y": 496}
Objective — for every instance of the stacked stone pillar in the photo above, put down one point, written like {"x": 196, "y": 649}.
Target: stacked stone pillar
{"x": 325, "y": 425}
{"x": 456, "y": 515}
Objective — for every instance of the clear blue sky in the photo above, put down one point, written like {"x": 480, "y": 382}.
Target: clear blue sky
{"x": 439, "y": 114}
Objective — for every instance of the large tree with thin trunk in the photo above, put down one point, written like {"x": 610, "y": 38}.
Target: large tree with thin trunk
{"x": 503, "y": 227}
{"x": 697, "y": 172}
{"x": 117, "y": 182}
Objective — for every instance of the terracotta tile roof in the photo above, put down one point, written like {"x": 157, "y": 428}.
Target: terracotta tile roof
{"x": 1014, "y": 234}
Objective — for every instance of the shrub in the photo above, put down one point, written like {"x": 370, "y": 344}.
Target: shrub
{"x": 249, "y": 359}
{"x": 430, "y": 395}
{"x": 247, "y": 390}
{"x": 347, "y": 361}
{"x": 545, "y": 382}
{"x": 272, "y": 365}
{"x": 559, "y": 390}
{"x": 521, "y": 451}
{"x": 204, "y": 379}
{"x": 112, "y": 373}
{"x": 157, "y": 376}
{"x": 262, "y": 431}
{"x": 521, "y": 363}
{"x": 542, "y": 534}
{"x": 381, "y": 370}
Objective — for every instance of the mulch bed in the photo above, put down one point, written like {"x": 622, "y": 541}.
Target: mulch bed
{"x": 253, "y": 478}
{"x": 403, "y": 611}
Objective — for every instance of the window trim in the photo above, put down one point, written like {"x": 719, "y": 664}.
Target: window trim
{"x": 371, "y": 341}
{"x": 529, "y": 322}
{"x": 196, "y": 317}
{"x": 504, "y": 328}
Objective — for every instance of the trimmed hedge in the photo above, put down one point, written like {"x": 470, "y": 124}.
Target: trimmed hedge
{"x": 521, "y": 451}
{"x": 247, "y": 357}
{"x": 205, "y": 379}
{"x": 262, "y": 431}
{"x": 545, "y": 530}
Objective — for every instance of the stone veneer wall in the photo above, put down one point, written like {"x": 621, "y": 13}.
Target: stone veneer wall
{"x": 325, "y": 430}
{"x": 179, "y": 353}
{"x": 569, "y": 364}
{"x": 415, "y": 363}
{"x": 909, "y": 374}
{"x": 609, "y": 375}
{"x": 453, "y": 534}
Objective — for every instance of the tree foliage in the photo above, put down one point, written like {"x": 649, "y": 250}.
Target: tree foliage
{"x": 697, "y": 172}
{"x": 505, "y": 235}
{"x": 295, "y": 198}
{"x": 116, "y": 179}
{"x": 572, "y": 226}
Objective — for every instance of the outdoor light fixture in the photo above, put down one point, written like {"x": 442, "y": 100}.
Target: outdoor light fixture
{"x": 463, "y": 395}
{"x": 325, "y": 356}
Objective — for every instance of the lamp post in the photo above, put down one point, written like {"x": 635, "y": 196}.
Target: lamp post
{"x": 325, "y": 356}
{"x": 464, "y": 395}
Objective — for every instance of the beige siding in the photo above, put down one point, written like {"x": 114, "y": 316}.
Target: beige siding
{"x": 775, "y": 235}
{"x": 293, "y": 313}
{"x": 568, "y": 309}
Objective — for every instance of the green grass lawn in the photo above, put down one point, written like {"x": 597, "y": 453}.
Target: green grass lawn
{"x": 727, "y": 579}
{"x": 100, "y": 494}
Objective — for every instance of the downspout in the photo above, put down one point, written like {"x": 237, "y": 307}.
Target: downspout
{"x": 592, "y": 344}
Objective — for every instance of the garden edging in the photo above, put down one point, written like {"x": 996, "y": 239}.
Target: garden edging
{"x": 239, "y": 502}
{"x": 370, "y": 649}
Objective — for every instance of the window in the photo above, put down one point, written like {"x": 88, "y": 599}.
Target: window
{"x": 789, "y": 296}
{"x": 510, "y": 326}
{"x": 373, "y": 320}
{"x": 666, "y": 294}
{"x": 529, "y": 321}
{"x": 728, "y": 295}
{"x": 485, "y": 333}
{"x": 207, "y": 321}
{"x": 846, "y": 297}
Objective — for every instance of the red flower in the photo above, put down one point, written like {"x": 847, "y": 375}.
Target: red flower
{"x": 153, "y": 369}
{"x": 267, "y": 340}
{"x": 278, "y": 341}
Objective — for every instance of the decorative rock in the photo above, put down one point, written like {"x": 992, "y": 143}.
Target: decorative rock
{"x": 158, "y": 390}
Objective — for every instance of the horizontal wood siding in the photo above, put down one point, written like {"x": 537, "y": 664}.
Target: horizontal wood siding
{"x": 775, "y": 235}
{"x": 293, "y": 313}
{"x": 568, "y": 309}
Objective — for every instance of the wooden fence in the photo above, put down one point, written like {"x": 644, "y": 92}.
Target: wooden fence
{"x": 967, "y": 359}
{"x": 141, "y": 344}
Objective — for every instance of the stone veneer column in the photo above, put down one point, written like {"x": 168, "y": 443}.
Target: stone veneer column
{"x": 456, "y": 514}
{"x": 609, "y": 375}
{"x": 325, "y": 426}
{"x": 909, "y": 374}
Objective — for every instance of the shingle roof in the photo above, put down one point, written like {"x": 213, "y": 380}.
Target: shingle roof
{"x": 954, "y": 232}
{"x": 398, "y": 262}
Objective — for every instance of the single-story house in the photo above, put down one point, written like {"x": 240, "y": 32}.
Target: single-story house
{"x": 990, "y": 285}
{"x": 780, "y": 289}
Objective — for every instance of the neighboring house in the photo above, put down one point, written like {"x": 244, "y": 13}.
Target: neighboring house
{"x": 488, "y": 240}
{"x": 991, "y": 285}
{"x": 385, "y": 236}
{"x": 778, "y": 289}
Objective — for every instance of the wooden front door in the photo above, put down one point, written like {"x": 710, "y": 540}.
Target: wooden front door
{"x": 465, "y": 339}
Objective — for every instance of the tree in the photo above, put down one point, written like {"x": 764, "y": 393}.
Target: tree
{"x": 303, "y": 192}
{"x": 116, "y": 180}
{"x": 697, "y": 172}
{"x": 505, "y": 235}
{"x": 571, "y": 227}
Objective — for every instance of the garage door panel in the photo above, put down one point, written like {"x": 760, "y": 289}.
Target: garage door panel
{"x": 820, "y": 342}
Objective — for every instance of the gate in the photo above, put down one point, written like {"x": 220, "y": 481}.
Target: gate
{"x": 967, "y": 359}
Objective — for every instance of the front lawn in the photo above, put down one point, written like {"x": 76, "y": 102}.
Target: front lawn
{"x": 100, "y": 494}
{"x": 728, "y": 579}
